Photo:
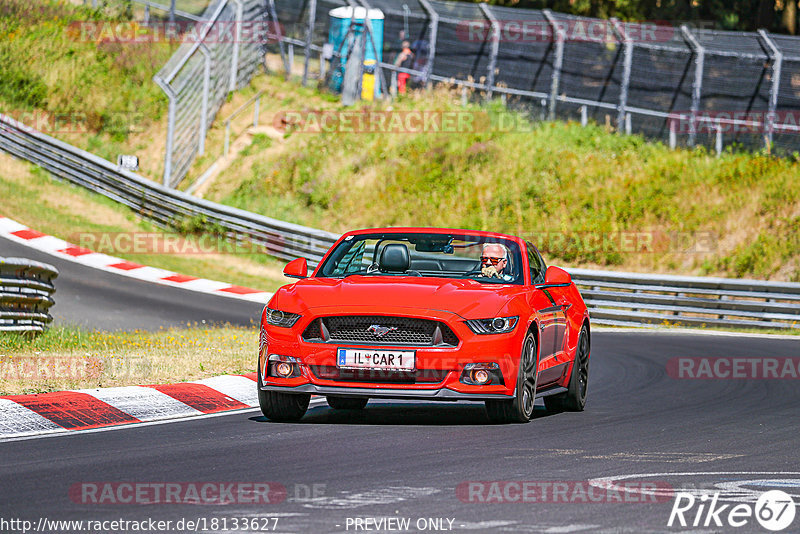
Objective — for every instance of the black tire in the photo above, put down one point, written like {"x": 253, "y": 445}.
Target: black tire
{"x": 574, "y": 399}
{"x": 347, "y": 403}
{"x": 520, "y": 408}
{"x": 282, "y": 407}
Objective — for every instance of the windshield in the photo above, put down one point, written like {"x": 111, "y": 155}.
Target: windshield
{"x": 485, "y": 259}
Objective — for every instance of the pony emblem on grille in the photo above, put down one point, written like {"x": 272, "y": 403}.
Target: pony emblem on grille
{"x": 380, "y": 331}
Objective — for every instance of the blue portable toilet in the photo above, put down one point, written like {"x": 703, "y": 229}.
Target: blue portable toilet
{"x": 340, "y": 19}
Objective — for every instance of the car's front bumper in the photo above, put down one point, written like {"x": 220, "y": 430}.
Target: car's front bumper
{"x": 442, "y": 394}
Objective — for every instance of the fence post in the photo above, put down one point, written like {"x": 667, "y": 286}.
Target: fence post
{"x": 371, "y": 36}
{"x": 673, "y": 140}
{"x": 171, "y": 10}
{"x": 274, "y": 16}
{"x": 312, "y": 18}
{"x": 777, "y": 66}
{"x": 487, "y": 12}
{"x": 170, "y": 129}
{"x": 235, "y": 52}
{"x": 256, "y": 110}
{"x": 557, "y": 64}
{"x": 434, "y": 36}
{"x": 584, "y": 115}
{"x": 718, "y": 139}
{"x": 697, "y": 84}
{"x": 201, "y": 147}
{"x": 623, "y": 36}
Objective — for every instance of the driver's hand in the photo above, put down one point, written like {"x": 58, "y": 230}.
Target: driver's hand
{"x": 490, "y": 271}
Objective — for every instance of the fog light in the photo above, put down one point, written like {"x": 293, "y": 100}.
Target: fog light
{"x": 480, "y": 376}
{"x": 284, "y": 369}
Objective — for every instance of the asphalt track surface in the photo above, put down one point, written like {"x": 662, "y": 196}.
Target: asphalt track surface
{"x": 406, "y": 460}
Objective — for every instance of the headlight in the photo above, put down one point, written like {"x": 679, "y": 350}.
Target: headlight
{"x": 495, "y": 325}
{"x": 281, "y": 318}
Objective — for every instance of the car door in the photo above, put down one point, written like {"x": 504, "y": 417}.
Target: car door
{"x": 552, "y": 322}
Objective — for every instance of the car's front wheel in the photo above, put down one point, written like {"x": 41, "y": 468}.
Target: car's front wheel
{"x": 574, "y": 399}
{"x": 282, "y": 407}
{"x": 520, "y": 408}
{"x": 347, "y": 403}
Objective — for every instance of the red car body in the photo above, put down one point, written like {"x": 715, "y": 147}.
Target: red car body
{"x": 552, "y": 311}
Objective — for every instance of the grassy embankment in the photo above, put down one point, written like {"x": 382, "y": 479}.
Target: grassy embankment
{"x": 587, "y": 196}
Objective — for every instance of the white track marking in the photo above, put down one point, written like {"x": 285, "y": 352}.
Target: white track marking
{"x": 239, "y": 388}
{"x": 145, "y": 404}
{"x": 376, "y": 497}
{"x": 129, "y": 426}
{"x": 734, "y": 494}
{"x": 21, "y": 421}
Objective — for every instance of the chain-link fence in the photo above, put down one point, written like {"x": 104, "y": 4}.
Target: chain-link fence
{"x": 672, "y": 83}
{"x": 220, "y": 54}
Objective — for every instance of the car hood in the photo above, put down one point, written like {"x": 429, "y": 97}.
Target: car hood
{"x": 467, "y": 298}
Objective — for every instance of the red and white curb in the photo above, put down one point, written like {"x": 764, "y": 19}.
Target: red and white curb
{"x": 58, "y": 247}
{"x": 84, "y": 409}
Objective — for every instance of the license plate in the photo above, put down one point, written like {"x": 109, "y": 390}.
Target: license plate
{"x": 393, "y": 360}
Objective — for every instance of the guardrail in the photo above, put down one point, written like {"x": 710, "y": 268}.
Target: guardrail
{"x": 614, "y": 298}
{"x": 26, "y": 289}
{"x": 634, "y": 299}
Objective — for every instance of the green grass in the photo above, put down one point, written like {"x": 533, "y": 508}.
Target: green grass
{"x": 558, "y": 183}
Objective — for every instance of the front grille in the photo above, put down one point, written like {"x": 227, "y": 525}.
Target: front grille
{"x": 380, "y": 330}
{"x": 420, "y": 376}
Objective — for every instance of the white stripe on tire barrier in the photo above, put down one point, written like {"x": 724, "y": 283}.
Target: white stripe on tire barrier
{"x": 18, "y": 420}
{"x": 239, "y": 388}
{"x": 145, "y": 404}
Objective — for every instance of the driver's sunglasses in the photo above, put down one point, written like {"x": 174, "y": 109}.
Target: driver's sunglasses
{"x": 495, "y": 261}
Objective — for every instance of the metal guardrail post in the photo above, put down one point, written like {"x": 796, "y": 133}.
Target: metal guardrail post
{"x": 433, "y": 28}
{"x": 237, "y": 37}
{"x": 201, "y": 146}
{"x": 487, "y": 12}
{"x": 623, "y": 36}
{"x": 171, "y": 11}
{"x": 560, "y": 36}
{"x": 697, "y": 84}
{"x": 777, "y": 66}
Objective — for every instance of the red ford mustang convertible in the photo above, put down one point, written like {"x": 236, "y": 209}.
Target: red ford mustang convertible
{"x": 428, "y": 314}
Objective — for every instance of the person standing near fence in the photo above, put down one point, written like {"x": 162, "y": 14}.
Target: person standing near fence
{"x": 404, "y": 60}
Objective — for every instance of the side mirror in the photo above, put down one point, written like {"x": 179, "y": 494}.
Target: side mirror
{"x": 296, "y": 268}
{"x": 556, "y": 277}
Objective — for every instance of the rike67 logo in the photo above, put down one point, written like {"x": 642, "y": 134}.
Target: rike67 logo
{"x": 774, "y": 510}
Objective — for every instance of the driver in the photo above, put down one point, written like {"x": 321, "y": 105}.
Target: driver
{"x": 494, "y": 261}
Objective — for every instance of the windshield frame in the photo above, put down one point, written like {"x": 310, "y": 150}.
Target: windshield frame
{"x": 347, "y": 243}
